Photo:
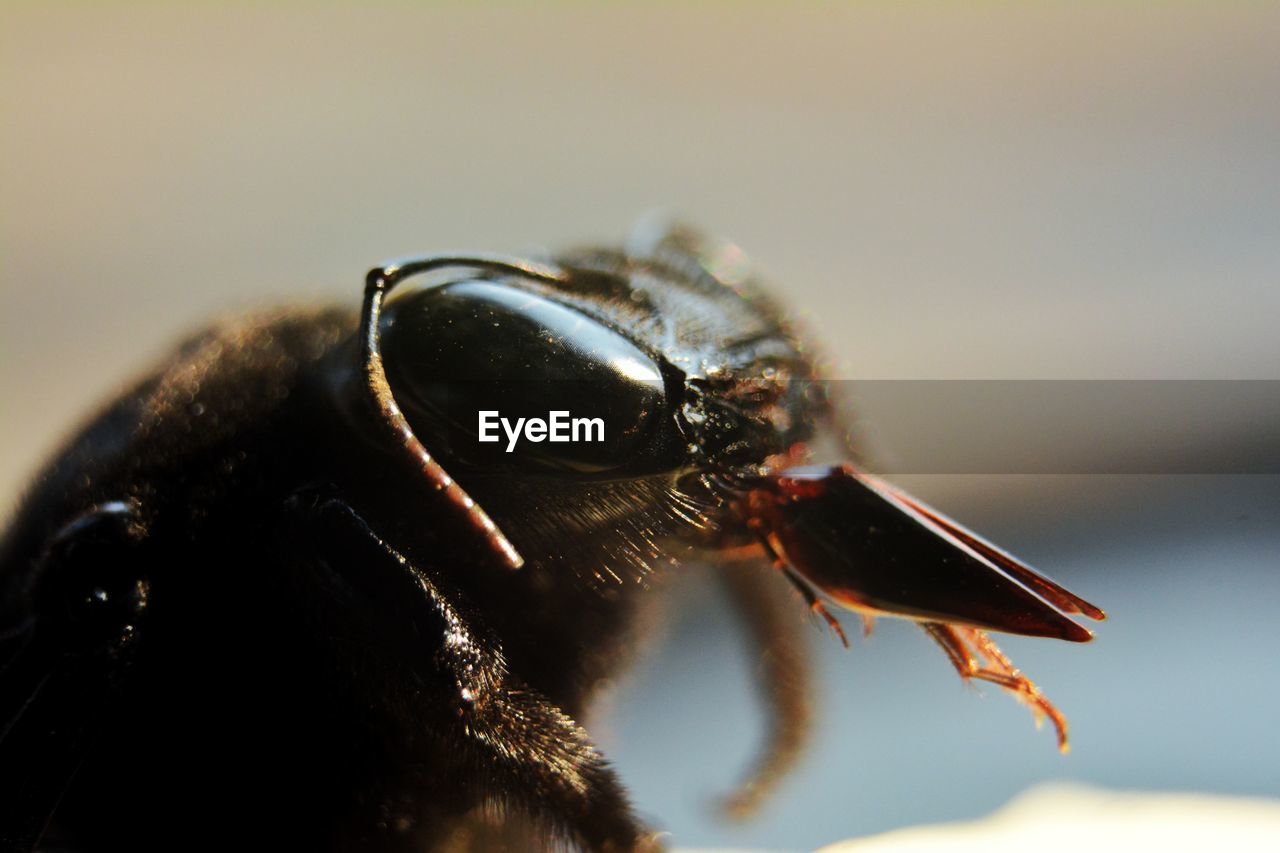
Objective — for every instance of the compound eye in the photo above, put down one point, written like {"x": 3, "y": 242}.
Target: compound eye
{"x": 493, "y": 375}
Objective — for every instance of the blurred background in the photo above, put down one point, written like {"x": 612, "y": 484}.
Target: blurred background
{"x": 958, "y": 191}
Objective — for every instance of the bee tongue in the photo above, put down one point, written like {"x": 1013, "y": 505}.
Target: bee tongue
{"x": 870, "y": 547}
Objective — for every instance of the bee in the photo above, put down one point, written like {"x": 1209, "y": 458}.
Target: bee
{"x": 289, "y": 591}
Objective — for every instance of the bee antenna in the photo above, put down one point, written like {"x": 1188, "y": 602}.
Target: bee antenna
{"x": 379, "y": 282}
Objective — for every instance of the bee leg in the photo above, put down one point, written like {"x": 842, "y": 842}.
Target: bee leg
{"x": 508, "y": 743}
{"x": 815, "y": 604}
{"x": 60, "y": 675}
{"x": 811, "y": 599}
{"x": 783, "y": 675}
{"x": 975, "y": 655}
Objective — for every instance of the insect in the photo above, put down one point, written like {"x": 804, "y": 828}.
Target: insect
{"x": 281, "y": 594}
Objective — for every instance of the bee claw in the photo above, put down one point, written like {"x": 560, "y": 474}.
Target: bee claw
{"x": 975, "y": 656}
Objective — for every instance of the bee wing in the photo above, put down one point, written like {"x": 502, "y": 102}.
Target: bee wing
{"x": 871, "y": 548}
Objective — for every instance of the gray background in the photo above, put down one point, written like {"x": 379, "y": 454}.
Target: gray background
{"x": 971, "y": 191}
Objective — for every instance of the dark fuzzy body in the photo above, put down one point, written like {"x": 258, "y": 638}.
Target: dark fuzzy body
{"x": 263, "y": 704}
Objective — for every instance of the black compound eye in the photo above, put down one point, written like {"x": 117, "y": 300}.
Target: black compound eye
{"x": 494, "y": 375}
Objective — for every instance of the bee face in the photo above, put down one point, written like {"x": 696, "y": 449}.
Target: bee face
{"x": 504, "y": 376}
{"x": 684, "y": 373}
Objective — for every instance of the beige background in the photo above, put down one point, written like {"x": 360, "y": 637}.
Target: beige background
{"x": 942, "y": 190}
